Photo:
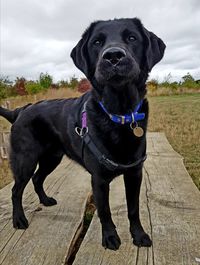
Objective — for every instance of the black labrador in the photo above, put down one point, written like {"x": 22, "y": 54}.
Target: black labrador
{"x": 104, "y": 130}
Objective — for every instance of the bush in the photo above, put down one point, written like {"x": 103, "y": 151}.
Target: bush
{"x": 3, "y": 90}
{"x": 152, "y": 85}
{"x": 174, "y": 85}
{"x": 188, "y": 81}
{"x": 73, "y": 82}
{"x": 33, "y": 87}
{"x": 63, "y": 83}
{"x": 45, "y": 80}
{"x": 20, "y": 86}
{"x": 6, "y": 88}
{"x": 84, "y": 85}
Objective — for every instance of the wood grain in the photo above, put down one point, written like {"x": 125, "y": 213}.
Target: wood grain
{"x": 169, "y": 207}
{"x": 170, "y": 213}
{"x": 51, "y": 229}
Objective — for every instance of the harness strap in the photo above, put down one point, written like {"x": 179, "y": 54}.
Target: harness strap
{"x": 109, "y": 164}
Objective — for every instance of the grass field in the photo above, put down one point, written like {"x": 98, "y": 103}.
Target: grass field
{"x": 176, "y": 115}
{"x": 179, "y": 117}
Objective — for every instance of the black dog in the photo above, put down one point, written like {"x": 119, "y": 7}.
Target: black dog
{"x": 104, "y": 130}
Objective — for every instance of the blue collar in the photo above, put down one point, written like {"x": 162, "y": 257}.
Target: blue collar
{"x": 127, "y": 118}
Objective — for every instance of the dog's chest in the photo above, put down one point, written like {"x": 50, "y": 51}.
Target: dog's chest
{"x": 123, "y": 144}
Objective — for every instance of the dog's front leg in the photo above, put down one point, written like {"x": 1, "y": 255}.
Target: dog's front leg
{"x": 110, "y": 238}
{"x": 132, "y": 180}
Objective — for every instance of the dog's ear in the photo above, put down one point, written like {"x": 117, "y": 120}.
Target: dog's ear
{"x": 154, "y": 46}
{"x": 154, "y": 50}
{"x": 79, "y": 53}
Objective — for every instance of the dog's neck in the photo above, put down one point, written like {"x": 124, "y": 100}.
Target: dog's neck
{"x": 120, "y": 101}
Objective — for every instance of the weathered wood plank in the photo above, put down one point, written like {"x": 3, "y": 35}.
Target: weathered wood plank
{"x": 170, "y": 212}
{"x": 4, "y": 152}
{"x": 159, "y": 145}
{"x": 51, "y": 229}
{"x": 91, "y": 251}
{"x": 174, "y": 204}
{"x": 4, "y": 138}
{"x": 4, "y": 144}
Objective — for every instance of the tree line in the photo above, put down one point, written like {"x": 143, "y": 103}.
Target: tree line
{"x": 21, "y": 86}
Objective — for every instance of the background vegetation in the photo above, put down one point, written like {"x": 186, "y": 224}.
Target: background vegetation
{"x": 174, "y": 109}
{"x": 22, "y": 87}
{"x": 178, "y": 116}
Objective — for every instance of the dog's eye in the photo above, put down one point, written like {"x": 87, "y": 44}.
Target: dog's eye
{"x": 97, "y": 42}
{"x": 132, "y": 38}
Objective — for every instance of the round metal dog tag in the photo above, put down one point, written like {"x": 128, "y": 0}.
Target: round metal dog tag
{"x": 138, "y": 131}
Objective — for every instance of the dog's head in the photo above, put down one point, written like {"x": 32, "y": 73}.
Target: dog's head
{"x": 116, "y": 52}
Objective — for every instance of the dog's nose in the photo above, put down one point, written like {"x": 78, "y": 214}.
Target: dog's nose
{"x": 113, "y": 55}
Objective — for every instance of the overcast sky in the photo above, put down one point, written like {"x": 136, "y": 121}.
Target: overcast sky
{"x": 37, "y": 36}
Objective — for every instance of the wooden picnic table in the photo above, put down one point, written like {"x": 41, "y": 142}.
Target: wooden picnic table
{"x": 170, "y": 213}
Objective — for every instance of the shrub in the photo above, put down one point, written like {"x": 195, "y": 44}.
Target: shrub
{"x": 45, "y": 80}
{"x": 84, "y": 85}
{"x": 54, "y": 86}
{"x": 3, "y": 90}
{"x": 174, "y": 85}
{"x": 152, "y": 85}
{"x": 6, "y": 88}
{"x": 33, "y": 87}
{"x": 73, "y": 82}
{"x": 63, "y": 83}
{"x": 188, "y": 81}
{"x": 20, "y": 86}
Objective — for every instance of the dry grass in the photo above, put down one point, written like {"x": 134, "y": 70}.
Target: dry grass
{"x": 168, "y": 91}
{"x": 176, "y": 115}
{"x": 49, "y": 94}
{"x": 179, "y": 117}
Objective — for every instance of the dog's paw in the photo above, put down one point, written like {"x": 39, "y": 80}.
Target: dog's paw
{"x": 142, "y": 240}
{"x": 48, "y": 201}
{"x": 111, "y": 240}
{"x": 20, "y": 222}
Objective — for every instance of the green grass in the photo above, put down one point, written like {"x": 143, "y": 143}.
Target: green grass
{"x": 179, "y": 117}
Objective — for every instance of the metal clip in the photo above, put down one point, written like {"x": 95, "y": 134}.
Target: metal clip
{"x": 81, "y": 131}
